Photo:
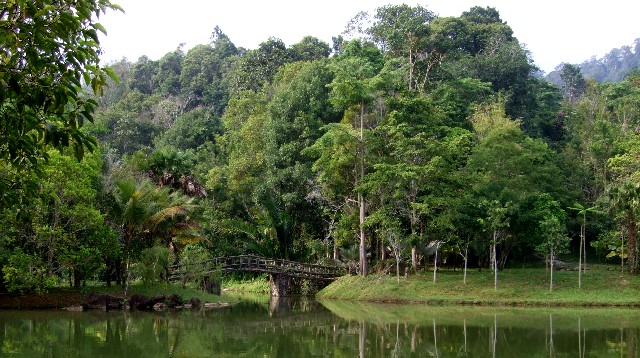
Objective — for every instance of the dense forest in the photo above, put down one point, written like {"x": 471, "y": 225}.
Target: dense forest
{"x": 411, "y": 138}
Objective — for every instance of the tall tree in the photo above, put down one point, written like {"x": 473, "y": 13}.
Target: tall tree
{"x": 507, "y": 170}
{"x": 552, "y": 231}
{"x": 142, "y": 75}
{"x": 573, "y": 83}
{"x": 167, "y": 77}
{"x": 353, "y": 86}
{"x": 404, "y": 31}
{"x": 625, "y": 198}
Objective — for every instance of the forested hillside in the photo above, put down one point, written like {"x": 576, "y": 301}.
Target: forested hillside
{"x": 612, "y": 67}
{"x": 419, "y": 134}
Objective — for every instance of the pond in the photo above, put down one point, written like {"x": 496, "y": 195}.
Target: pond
{"x": 307, "y": 328}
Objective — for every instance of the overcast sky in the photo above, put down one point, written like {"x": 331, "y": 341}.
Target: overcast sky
{"x": 554, "y": 31}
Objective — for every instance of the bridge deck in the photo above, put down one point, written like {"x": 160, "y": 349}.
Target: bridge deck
{"x": 257, "y": 264}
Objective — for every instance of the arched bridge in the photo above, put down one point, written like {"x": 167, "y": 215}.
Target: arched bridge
{"x": 281, "y": 271}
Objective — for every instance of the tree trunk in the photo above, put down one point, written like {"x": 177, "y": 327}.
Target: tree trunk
{"x": 414, "y": 258}
{"x": 363, "y": 241}
{"x": 435, "y": 264}
{"x": 77, "y": 278}
{"x": 551, "y": 283}
{"x": 580, "y": 259}
{"x": 495, "y": 261}
{"x": 466, "y": 257}
{"x": 631, "y": 245}
{"x": 584, "y": 250}
{"x": 621, "y": 253}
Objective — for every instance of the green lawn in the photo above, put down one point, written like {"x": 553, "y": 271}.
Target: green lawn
{"x": 601, "y": 286}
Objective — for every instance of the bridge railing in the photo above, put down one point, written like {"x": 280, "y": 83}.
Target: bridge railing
{"x": 256, "y": 264}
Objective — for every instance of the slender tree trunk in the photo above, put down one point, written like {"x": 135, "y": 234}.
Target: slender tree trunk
{"x": 580, "y": 255}
{"x": 363, "y": 241}
{"x": 126, "y": 276}
{"x": 621, "y": 253}
{"x": 414, "y": 258}
{"x": 495, "y": 260}
{"x": 584, "y": 249}
{"x": 435, "y": 264}
{"x": 552, "y": 258}
{"x": 398, "y": 266}
{"x": 466, "y": 258}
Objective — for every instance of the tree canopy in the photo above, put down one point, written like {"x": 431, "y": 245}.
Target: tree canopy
{"x": 420, "y": 137}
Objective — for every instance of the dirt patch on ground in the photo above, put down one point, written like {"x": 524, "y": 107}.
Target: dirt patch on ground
{"x": 49, "y": 300}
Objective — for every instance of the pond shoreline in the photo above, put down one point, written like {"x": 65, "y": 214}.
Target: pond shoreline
{"x": 602, "y": 287}
{"x": 61, "y": 298}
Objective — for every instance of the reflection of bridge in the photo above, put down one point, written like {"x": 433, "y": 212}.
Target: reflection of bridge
{"x": 281, "y": 271}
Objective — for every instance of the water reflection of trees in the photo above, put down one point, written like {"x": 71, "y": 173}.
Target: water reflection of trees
{"x": 307, "y": 330}
{"x": 492, "y": 332}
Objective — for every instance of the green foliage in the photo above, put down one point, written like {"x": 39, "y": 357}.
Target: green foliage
{"x": 154, "y": 264}
{"x": 193, "y": 259}
{"x": 554, "y": 235}
{"x": 24, "y": 272}
{"x": 310, "y": 49}
{"x": 612, "y": 245}
{"x": 573, "y": 84}
{"x": 48, "y": 50}
{"x": 435, "y": 127}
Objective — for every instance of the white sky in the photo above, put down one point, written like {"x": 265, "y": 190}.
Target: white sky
{"x": 554, "y": 31}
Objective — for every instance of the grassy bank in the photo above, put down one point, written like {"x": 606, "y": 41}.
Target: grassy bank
{"x": 601, "y": 286}
{"x": 254, "y": 285}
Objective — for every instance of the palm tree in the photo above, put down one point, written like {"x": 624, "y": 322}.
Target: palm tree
{"x": 145, "y": 214}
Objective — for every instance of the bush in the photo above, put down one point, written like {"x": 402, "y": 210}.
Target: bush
{"x": 24, "y": 272}
{"x": 154, "y": 264}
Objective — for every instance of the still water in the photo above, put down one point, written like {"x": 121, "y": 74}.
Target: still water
{"x": 305, "y": 328}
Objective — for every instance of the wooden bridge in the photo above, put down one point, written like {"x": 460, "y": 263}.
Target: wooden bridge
{"x": 280, "y": 271}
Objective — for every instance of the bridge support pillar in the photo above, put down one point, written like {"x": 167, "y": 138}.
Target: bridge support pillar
{"x": 280, "y": 285}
